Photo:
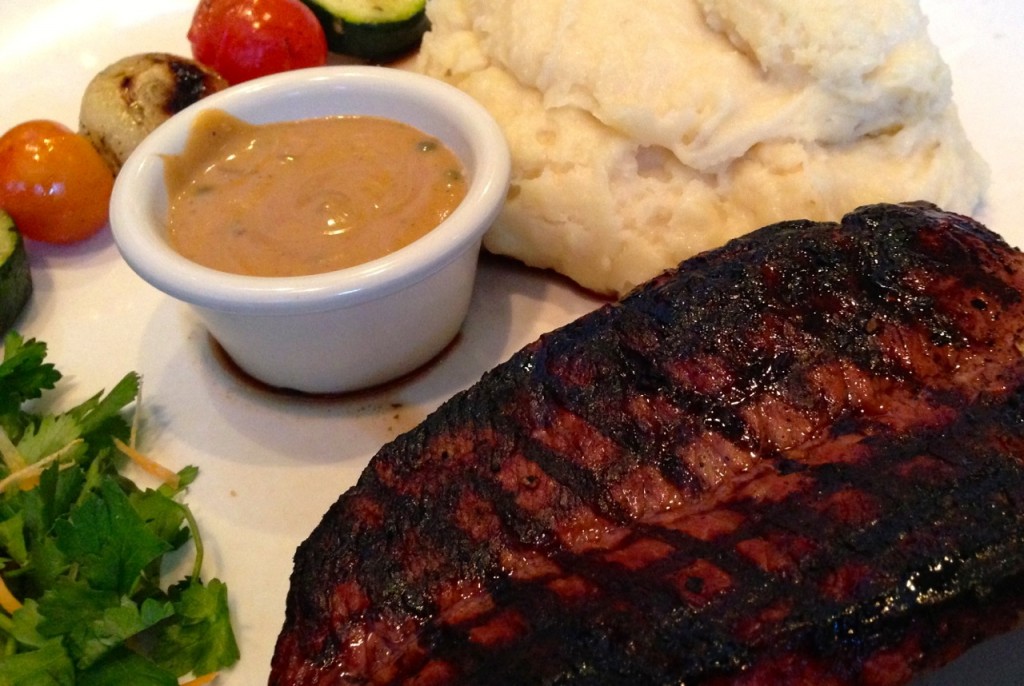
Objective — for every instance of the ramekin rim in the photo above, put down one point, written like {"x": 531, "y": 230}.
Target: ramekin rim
{"x": 157, "y": 263}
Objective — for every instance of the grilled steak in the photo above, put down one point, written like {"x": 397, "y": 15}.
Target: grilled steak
{"x": 797, "y": 459}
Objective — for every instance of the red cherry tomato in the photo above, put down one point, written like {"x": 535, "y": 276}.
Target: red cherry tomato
{"x": 243, "y": 39}
{"x": 53, "y": 183}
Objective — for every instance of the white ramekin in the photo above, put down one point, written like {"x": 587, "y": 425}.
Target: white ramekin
{"x": 341, "y": 330}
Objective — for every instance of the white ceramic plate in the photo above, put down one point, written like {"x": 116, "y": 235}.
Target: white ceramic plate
{"x": 271, "y": 465}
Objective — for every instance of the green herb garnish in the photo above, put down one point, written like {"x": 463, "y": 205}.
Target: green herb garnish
{"x": 82, "y": 600}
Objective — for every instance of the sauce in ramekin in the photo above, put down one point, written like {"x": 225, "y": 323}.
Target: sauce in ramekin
{"x": 307, "y": 196}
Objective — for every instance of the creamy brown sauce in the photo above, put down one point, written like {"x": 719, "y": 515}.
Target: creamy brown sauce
{"x": 308, "y": 196}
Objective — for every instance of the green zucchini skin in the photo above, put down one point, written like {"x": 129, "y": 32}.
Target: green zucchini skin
{"x": 15, "y": 276}
{"x": 394, "y": 30}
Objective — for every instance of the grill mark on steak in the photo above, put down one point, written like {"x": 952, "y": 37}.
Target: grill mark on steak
{"x": 795, "y": 459}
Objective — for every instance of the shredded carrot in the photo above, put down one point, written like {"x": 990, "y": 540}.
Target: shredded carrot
{"x": 30, "y": 481}
{"x": 201, "y": 680}
{"x": 27, "y": 478}
{"x": 8, "y": 602}
{"x": 151, "y": 466}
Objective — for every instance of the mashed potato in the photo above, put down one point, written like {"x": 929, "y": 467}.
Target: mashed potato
{"x": 644, "y": 132}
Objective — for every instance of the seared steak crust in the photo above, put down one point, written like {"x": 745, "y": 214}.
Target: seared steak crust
{"x": 795, "y": 459}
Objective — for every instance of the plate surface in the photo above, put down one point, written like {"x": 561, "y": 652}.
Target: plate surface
{"x": 271, "y": 464}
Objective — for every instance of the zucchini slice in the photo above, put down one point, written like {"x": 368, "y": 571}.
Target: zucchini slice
{"x": 374, "y": 30}
{"x": 15, "y": 277}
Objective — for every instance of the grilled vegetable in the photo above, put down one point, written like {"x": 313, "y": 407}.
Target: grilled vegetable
{"x": 53, "y": 183}
{"x": 246, "y": 39}
{"x": 134, "y": 95}
{"x": 372, "y": 29}
{"x": 15, "y": 277}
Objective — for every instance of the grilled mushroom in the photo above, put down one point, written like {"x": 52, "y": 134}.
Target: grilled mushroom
{"x": 131, "y": 97}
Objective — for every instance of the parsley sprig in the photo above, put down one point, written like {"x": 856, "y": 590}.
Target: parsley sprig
{"x": 82, "y": 545}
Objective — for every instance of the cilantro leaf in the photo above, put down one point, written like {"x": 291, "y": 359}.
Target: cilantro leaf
{"x": 25, "y": 625}
{"x": 202, "y": 641}
{"x": 93, "y": 622}
{"x": 100, "y": 409}
{"x": 23, "y": 374}
{"x": 126, "y": 667}
{"x": 82, "y": 546}
{"x": 48, "y": 436}
{"x": 47, "y": 666}
{"x": 163, "y": 516}
{"x": 56, "y": 493}
{"x": 12, "y": 539}
{"x": 108, "y": 540}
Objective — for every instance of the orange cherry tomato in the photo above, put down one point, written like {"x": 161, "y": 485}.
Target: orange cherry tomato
{"x": 53, "y": 183}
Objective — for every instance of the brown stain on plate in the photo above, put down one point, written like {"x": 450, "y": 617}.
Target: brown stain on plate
{"x": 373, "y": 393}
{"x": 377, "y": 404}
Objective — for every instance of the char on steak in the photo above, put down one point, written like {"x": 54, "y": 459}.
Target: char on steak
{"x": 796, "y": 459}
